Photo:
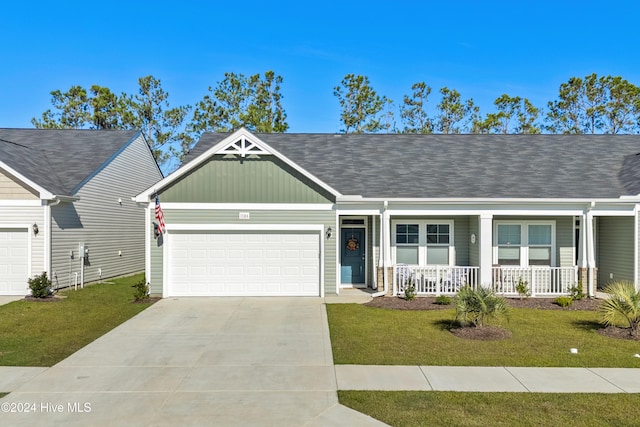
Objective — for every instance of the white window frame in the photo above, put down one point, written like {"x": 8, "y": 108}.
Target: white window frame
{"x": 422, "y": 238}
{"x": 524, "y": 239}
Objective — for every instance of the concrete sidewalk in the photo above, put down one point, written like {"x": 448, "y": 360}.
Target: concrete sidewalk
{"x": 488, "y": 379}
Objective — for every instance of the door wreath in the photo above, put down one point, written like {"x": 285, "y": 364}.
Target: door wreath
{"x": 353, "y": 244}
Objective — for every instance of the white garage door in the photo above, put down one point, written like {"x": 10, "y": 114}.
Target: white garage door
{"x": 244, "y": 263}
{"x": 14, "y": 269}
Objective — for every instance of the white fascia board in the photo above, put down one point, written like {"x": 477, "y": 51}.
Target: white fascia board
{"x": 245, "y": 227}
{"x": 21, "y": 203}
{"x": 484, "y": 201}
{"x": 44, "y": 194}
{"x": 144, "y": 196}
{"x": 351, "y": 212}
{"x": 250, "y": 206}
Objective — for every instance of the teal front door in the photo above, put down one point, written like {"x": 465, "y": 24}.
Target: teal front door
{"x": 352, "y": 256}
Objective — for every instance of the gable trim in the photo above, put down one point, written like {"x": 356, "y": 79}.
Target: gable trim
{"x": 43, "y": 193}
{"x": 240, "y": 142}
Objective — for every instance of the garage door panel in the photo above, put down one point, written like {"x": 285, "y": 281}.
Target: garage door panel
{"x": 244, "y": 263}
{"x": 14, "y": 261}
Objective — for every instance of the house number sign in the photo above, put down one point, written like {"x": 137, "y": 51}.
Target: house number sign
{"x": 244, "y": 215}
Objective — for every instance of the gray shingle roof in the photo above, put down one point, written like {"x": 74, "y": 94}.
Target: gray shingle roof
{"x": 60, "y": 159}
{"x": 485, "y": 166}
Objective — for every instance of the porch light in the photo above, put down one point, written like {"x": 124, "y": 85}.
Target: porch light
{"x": 329, "y": 233}
{"x": 35, "y": 229}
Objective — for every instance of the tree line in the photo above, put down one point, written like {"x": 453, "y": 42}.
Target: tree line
{"x": 593, "y": 104}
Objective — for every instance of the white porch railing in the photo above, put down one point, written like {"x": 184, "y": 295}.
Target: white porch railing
{"x": 434, "y": 279}
{"x": 540, "y": 280}
{"x": 444, "y": 279}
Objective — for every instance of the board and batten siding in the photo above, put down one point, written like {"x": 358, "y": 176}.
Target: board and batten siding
{"x": 474, "y": 248}
{"x": 105, "y": 219}
{"x": 614, "y": 249}
{"x": 252, "y": 180}
{"x": 11, "y": 216}
{"x": 11, "y": 189}
{"x": 262, "y": 217}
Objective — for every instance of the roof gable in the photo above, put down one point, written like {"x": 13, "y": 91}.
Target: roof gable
{"x": 59, "y": 161}
{"x": 242, "y": 144}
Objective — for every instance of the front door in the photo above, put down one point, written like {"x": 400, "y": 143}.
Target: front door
{"x": 352, "y": 258}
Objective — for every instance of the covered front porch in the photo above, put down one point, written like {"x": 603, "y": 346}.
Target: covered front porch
{"x": 548, "y": 248}
{"x": 447, "y": 280}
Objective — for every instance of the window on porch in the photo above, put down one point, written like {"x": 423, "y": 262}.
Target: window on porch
{"x": 424, "y": 242}
{"x": 525, "y": 244}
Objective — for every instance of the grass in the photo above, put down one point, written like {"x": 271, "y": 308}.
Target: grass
{"x": 44, "y": 333}
{"x": 374, "y": 336}
{"x": 439, "y": 408}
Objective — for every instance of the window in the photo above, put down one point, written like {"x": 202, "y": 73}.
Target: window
{"x": 438, "y": 244}
{"x": 525, "y": 243}
{"x": 540, "y": 244}
{"x": 509, "y": 244}
{"x": 407, "y": 240}
{"x": 424, "y": 242}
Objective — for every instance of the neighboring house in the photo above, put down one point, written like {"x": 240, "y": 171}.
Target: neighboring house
{"x": 63, "y": 190}
{"x": 310, "y": 214}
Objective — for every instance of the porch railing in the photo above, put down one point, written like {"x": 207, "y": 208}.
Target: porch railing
{"x": 434, "y": 279}
{"x": 447, "y": 280}
{"x": 540, "y": 280}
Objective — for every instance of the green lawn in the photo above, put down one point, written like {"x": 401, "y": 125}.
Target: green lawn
{"x": 374, "y": 336}
{"x": 439, "y": 408}
{"x": 44, "y": 333}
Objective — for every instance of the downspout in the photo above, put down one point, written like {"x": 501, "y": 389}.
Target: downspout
{"x": 47, "y": 241}
{"x": 383, "y": 250}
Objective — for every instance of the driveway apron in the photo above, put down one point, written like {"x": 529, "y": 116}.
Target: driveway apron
{"x": 196, "y": 361}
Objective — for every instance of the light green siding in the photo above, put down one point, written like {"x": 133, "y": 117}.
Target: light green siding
{"x": 614, "y": 249}
{"x": 474, "y": 248}
{"x": 226, "y": 179}
{"x": 257, "y": 217}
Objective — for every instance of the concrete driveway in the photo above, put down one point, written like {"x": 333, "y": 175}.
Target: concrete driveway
{"x": 196, "y": 361}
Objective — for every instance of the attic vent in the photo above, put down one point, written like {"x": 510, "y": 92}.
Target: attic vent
{"x": 242, "y": 147}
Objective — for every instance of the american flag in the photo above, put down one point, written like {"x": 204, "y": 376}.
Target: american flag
{"x": 159, "y": 216}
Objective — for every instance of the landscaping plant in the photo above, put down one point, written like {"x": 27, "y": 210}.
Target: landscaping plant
{"x": 141, "y": 291}
{"x": 473, "y": 306}
{"x": 564, "y": 301}
{"x": 621, "y": 306}
{"x": 522, "y": 287}
{"x": 410, "y": 289}
{"x": 40, "y": 286}
{"x": 442, "y": 300}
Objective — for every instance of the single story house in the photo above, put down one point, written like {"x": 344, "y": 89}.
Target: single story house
{"x": 311, "y": 214}
{"x": 66, "y": 205}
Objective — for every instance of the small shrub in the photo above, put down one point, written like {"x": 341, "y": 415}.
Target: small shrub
{"x": 523, "y": 288}
{"x": 442, "y": 300}
{"x": 575, "y": 292}
{"x": 140, "y": 290}
{"x": 40, "y": 286}
{"x": 410, "y": 289}
{"x": 622, "y": 306}
{"x": 473, "y": 306}
{"x": 564, "y": 301}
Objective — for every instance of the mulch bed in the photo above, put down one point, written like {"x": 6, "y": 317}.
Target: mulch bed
{"x": 151, "y": 300}
{"x": 490, "y": 333}
{"x": 428, "y": 303}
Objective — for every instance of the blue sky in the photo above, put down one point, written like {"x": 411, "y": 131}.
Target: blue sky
{"x": 480, "y": 48}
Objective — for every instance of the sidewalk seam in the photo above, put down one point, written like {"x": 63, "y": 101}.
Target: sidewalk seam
{"x": 600, "y": 376}
{"x": 517, "y": 379}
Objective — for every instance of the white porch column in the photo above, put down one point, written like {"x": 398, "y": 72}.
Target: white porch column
{"x": 386, "y": 244}
{"x": 582, "y": 247}
{"x": 590, "y": 249}
{"x": 485, "y": 247}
